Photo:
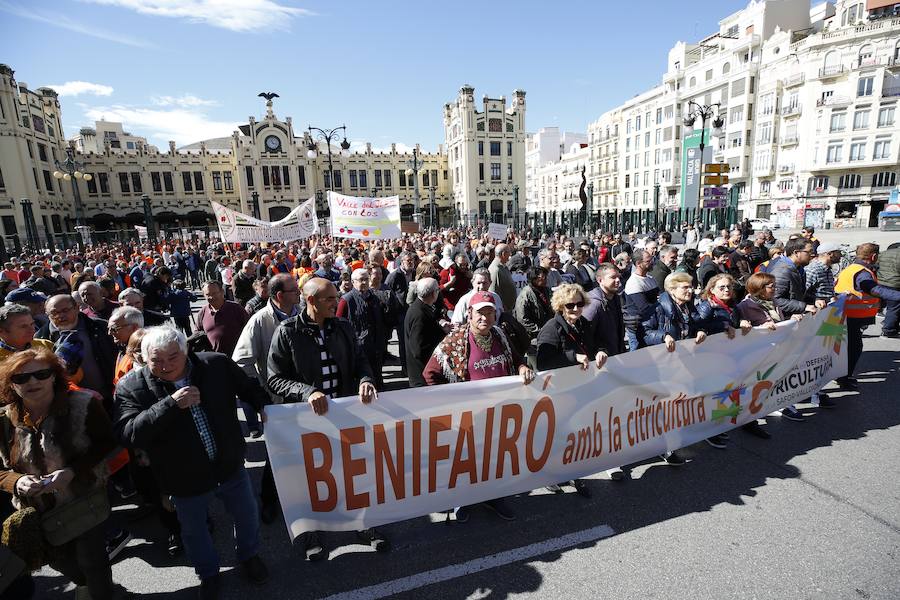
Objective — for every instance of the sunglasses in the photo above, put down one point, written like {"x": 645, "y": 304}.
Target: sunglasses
{"x": 21, "y": 378}
{"x": 574, "y": 305}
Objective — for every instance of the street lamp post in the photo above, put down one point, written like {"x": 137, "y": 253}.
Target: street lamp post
{"x": 255, "y": 204}
{"x": 30, "y": 226}
{"x": 326, "y": 135}
{"x": 704, "y": 112}
{"x": 72, "y": 170}
{"x": 589, "y": 213}
{"x": 516, "y": 207}
{"x": 413, "y": 171}
{"x": 431, "y": 208}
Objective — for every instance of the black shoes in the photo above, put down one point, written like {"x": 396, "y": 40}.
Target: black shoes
{"x": 117, "y": 543}
{"x": 755, "y": 429}
{"x": 582, "y": 488}
{"x": 717, "y": 441}
{"x": 175, "y": 546}
{"x": 255, "y": 570}
{"x": 312, "y": 546}
{"x": 848, "y": 384}
{"x": 256, "y": 434}
{"x": 673, "y": 458}
{"x": 375, "y": 539}
{"x": 209, "y": 588}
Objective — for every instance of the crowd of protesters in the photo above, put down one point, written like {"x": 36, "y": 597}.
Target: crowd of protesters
{"x": 111, "y": 385}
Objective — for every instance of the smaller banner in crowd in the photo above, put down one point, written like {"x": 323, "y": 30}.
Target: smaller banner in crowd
{"x": 234, "y": 226}
{"x": 419, "y": 451}
{"x": 364, "y": 218}
{"x": 141, "y": 231}
{"x": 497, "y": 231}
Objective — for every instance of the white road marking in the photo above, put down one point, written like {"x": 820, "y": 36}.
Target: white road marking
{"x": 412, "y": 582}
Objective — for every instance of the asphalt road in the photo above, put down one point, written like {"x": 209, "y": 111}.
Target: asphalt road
{"x": 812, "y": 513}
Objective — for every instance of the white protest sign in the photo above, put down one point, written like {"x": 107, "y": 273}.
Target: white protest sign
{"x": 497, "y": 231}
{"x": 141, "y": 231}
{"x": 234, "y": 226}
{"x": 364, "y": 218}
{"x": 418, "y": 451}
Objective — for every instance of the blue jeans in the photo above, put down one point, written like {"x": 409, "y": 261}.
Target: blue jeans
{"x": 891, "y": 324}
{"x": 237, "y": 495}
{"x": 632, "y": 337}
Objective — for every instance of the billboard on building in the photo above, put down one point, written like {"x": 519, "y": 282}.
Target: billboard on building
{"x": 690, "y": 166}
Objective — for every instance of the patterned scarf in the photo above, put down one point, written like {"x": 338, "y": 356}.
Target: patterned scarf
{"x": 453, "y": 353}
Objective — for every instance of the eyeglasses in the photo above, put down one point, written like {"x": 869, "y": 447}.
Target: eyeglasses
{"x": 723, "y": 288}
{"x": 574, "y": 305}
{"x": 21, "y": 378}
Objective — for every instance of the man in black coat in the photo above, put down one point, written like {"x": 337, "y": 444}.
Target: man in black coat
{"x": 423, "y": 330}
{"x": 83, "y": 343}
{"x": 243, "y": 283}
{"x": 155, "y": 288}
{"x": 315, "y": 357}
{"x": 668, "y": 260}
{"x": 180, "y": 410}
{"x": 397, "y": 282}
{"x": 790, "y": 282}
{"x": 714, "y": 265}
{"x": 604, "y": 312}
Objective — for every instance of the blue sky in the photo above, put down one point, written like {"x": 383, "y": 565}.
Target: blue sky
{"x": 191, "y": 69}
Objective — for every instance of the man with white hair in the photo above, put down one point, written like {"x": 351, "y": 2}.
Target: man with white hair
{"x": 423, "y": 329}
{"x": 501, "y": 279}
{"x": 180, "y": 410}
{"x": 134, "y": 298}
{"x": 243, "y": 283}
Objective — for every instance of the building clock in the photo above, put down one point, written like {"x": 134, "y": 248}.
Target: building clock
{"x": 273, "y": 144}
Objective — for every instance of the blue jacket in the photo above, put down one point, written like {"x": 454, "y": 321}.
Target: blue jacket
{"x": 666, "y": 319}
{"x": 715, "y": 318}
{"x": 180, "y": 303}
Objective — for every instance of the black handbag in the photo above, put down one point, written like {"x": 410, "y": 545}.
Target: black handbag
{"x": 72, "y": 519}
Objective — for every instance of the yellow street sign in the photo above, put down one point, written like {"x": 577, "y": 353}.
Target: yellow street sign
{"x": 715, "y": 179}
{"x": 717, "y": 168}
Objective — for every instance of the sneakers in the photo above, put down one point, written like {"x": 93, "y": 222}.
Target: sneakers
{"x": 124, "y": 489}
{"x": 792, "y": 414}
{"x": 673, "y": 458}
{"x": 312, "y": 545}
{"x": 616, "y": 474}
{"x": 462, "y": 514}
{"x": 890, "y": 336}
{"x": 175, "y": 546}
{"x": 501, "y": 509}
{"x": 717, "y": 441}
{"x": 375, "y": 539}
{"x": 755, "y": 429}
{"x": 255, "y": 434}
{"x": 117, "y": 542}
{"x": 255, "y": 570}
{"x": 268, "y": 512}
{"x": 209, "y": 588}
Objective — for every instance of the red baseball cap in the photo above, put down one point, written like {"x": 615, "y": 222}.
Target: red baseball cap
{"x": 482, "y": 299}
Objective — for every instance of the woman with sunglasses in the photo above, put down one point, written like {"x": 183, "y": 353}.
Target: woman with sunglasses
{"x": 718, "y": 310}
{"x": 567, "y": 339}
{"x": 54, "y": 441}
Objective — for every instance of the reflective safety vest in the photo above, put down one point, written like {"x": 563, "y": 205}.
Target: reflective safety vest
{"x": 859, "y": 304}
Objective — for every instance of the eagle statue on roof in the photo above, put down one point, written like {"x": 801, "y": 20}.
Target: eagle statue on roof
{"x": 268, "y": 95}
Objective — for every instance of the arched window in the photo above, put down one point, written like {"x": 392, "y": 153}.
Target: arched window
{"x": 865, "y": 54}
{"x": 692, "y": 82}
{"x": 726, "y": 68}
{"x": 832, "y": 63}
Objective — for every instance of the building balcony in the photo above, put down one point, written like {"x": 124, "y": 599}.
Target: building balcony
{"x": 790, "y": 140}
{"x": 794, "y": 80}
{"x": 862, "y": 63}
{"x": 785, "y": 169}
{"x": 792, "y": 110}
{"x": 893, "y": 62}
{"x": 834, "y": 101}
{"x": 832, "y": 71}
{"x": 890, "y": 91}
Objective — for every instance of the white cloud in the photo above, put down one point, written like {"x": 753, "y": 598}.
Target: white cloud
{"x": 76, "y": 88}
{"x": 57, "y": 19}
{"x": 183, "y": 100}
{"x": 161, "y": 125}
{"x": 236, "y": 15}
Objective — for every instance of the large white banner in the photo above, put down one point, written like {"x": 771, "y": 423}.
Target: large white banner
{"x": 234, "y": 226}
{"x": 418, "y": 451}
{"x": 364, "y": 218}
